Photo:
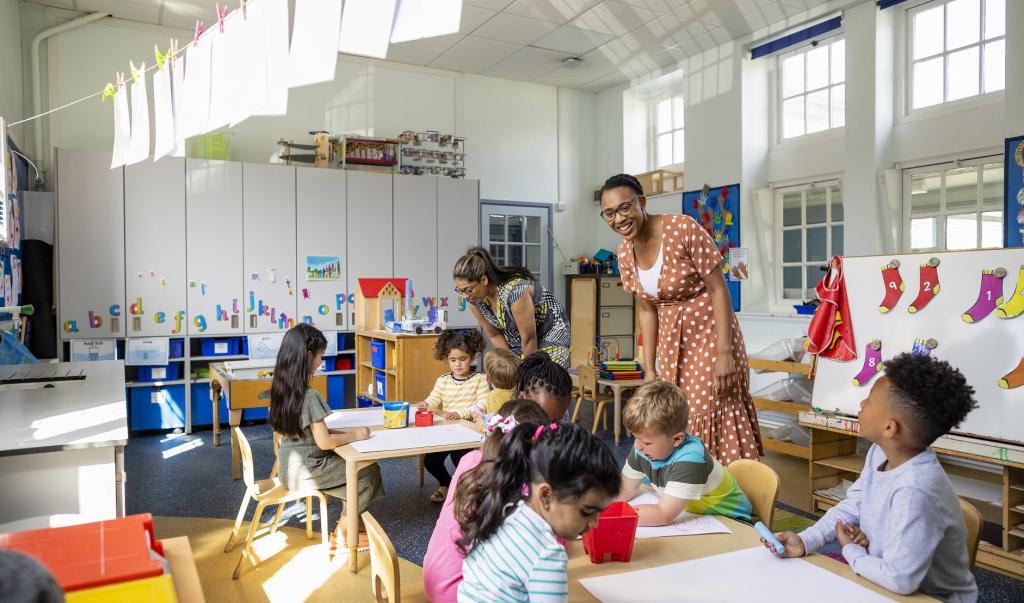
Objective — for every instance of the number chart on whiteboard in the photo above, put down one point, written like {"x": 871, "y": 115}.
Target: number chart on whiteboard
{"x": 964, "y": 307}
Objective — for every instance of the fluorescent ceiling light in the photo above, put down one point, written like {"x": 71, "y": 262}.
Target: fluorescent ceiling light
{"x": 417, "y": 19}
{"x": 366, "y": 27}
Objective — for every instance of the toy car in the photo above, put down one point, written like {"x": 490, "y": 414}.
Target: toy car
{"x": 432, "y": 323}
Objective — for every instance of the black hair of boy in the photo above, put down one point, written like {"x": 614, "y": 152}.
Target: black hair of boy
{"x": 932, "y": 395}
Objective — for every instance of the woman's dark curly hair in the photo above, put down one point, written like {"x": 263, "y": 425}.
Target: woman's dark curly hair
{"x": 468, "y": 340}
{"x": 932, "y": 395}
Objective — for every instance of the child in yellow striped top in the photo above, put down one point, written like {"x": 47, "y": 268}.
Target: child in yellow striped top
{"x": 455, "y": 396}
{"x": 501, "y": 367}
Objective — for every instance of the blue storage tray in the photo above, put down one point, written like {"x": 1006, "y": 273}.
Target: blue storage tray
{"x": 220, "y": 346}
{"x": 156, "y": 407}
{"x": 176, "y": 348}
{"x": 377, "y": 354}
{"x": 171, "y": 372}
{"x": 336, "y": 392}
{"x": 380, "y": 386}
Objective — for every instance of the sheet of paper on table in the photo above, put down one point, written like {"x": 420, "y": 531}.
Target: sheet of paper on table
{"x": 417, "y": 437}
{"x": 714, "y": 579}
{"x": 355, "y": 418}
{"x": 687, "y": 524}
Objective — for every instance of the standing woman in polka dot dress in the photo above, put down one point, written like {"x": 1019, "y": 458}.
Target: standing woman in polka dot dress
{"x": 673, "y": 268}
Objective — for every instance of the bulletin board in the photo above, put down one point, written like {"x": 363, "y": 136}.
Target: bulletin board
{"x": 717, "y": 209}
{"x": 1013, "y": 197}
{"x": 986, "y": 349}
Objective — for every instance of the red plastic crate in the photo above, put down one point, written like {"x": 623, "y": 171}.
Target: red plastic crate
{"x": 424, "y": 418}
{"x": 613, "y": 535}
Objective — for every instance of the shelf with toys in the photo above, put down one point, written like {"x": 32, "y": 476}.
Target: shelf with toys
{"x": 433, "y": 153}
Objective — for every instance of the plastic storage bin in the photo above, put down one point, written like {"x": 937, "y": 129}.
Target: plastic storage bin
{"x": 220, "y": 346}
{"x": 785, "y": 350}
{"x": 380, "y": 386}
{"x": 796, "y": 390}
{"x": 396, "y": 415}
{"x": 156, "y": 407}
{"x": 176, "y": 348}
{"x": 613, "y": 535}
{"x": 171, "y": 372}
{"x": 336, "y": 392}
{"x": 377, "y": 357}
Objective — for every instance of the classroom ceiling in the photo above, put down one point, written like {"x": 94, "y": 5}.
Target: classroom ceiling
{"x": 528, "y": 39}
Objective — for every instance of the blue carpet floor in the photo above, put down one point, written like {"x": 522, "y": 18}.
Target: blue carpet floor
{"x": 187, "y": 476}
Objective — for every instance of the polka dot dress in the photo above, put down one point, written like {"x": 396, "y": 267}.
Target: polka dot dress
{"x": 727, "y": 422}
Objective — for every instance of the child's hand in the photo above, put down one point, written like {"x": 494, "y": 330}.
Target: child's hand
{"x": 849, "y": 533}
{"x": 792, "y": 543}
{"x": 451, "y": 416}
{"x": 422, "y": 406}
{"x": 359, "y": 433}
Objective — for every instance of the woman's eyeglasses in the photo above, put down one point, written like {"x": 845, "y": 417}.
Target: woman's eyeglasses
{"x": 623, "y": 209}
{"x": 465, "y": 291}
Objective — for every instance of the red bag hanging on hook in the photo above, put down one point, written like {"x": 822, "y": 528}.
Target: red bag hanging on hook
{"x": 830, "y": 334}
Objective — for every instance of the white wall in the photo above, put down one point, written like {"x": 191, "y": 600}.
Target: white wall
{"x": 11, "y": 80}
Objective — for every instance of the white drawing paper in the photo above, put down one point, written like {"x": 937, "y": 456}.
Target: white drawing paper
{"x": 687, "y": 524}
{"x": 250, "y": 64}
{"x": 177, "y": 68}
{"x": 417, "y": 437}
{"x": 163, "y": 113}
{"x": 197, "y": 88}
{"x": 275, "y": 27}
{"x": 138, "y": 147}
{"x": 348, "y": 419}
{"x": 122, "y": 128}
{"x": 222, "y": 85}
{"x": 366, "y": 27}
{"x": 314, "y": 52}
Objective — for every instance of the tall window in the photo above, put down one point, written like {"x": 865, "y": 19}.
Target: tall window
{"x": 957, "y": 49}
{"x": 668, "y": 131}
{"x": 954, "y": 206}
{"x": 812, "y": 86}
{"x": 812, "y": 232}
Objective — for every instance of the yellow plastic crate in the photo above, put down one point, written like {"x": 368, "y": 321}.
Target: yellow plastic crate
{"x": 159, "y": 589}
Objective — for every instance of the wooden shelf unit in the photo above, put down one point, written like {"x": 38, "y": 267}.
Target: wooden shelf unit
{"x": 409, "y": 364}
{"x": 785, "y": 406}
{"x": 834, "y": 456}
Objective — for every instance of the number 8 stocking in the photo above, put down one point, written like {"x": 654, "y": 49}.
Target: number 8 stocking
{"x": 872, "y": 363}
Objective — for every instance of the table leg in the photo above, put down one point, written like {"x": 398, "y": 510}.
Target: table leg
{"x": 617, "y": 391}
{"x": 352, "y": 514}
{"x": 215, "y": 400}
{"x": 235, "y": 419}
{"x": 119, "y": 479}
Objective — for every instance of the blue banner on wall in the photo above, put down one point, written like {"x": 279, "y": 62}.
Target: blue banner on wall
{"x": 1013, "y": 197}
{"x": 717, "y": 209}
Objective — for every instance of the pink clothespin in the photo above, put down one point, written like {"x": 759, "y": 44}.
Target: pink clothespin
{"x": 199, "y": 32}
{"x": 221, "y": 14}
{"x": 119, "y": 75}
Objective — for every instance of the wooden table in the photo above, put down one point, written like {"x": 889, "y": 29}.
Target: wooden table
{"x": 355, "y": 460}
{"x": 183, "y": 570}
{"x": 617, "y": 387}
{"x": 654, "y": 552}
{"x": 243, "y": 394}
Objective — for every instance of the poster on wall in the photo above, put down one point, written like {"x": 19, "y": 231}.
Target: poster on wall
{"x": 717, "y": 209}
{"x": 739, "y": 263}
{"x": 323, "y": 268}
{"x": 1013, "y": 198}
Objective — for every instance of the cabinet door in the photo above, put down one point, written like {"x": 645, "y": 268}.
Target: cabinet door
{"x": 154, "y": 236}
{"x": 213, "y": 214}
{"x": 582, "y": 318}
{"x": 268, "y": 218}
{"x": 90, "y": 245}
{"x": 321, "y": 258}
{"x": 370, "y": 228}
{"x": 416, "y": 237}
{"x": 458, "y": 220}
{"x": 612, "y": 293}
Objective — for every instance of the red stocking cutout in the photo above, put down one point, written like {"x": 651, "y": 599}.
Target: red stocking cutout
{"x": 894, "y": 286}
{"x": 929, "y": 286}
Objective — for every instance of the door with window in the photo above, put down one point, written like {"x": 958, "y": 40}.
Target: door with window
{"x": 516, "y": 235}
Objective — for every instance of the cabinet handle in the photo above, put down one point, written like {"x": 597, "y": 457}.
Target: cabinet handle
{"x": 606, "y": 314}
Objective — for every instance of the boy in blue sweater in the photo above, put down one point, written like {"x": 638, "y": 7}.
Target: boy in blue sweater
{"x": 900, "y": 525}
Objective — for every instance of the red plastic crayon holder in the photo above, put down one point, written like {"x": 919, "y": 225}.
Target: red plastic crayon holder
{"x": 613, "y": 535}
{"x": 424, "y": 418}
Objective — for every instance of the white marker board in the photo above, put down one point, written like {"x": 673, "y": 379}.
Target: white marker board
{"x": 983, "y": 351}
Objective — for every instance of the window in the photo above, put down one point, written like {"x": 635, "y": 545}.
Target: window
{"x": 812, "y": 88}
{"x": 811, "y": 217}
{"x": 516, "y": 235}
{"x": 957, "y": 49}
{"x": 668, "y": 131}
{"x": 955, "y": 206}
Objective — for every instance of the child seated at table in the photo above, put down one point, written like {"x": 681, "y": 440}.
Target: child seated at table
{"x": 455, "y": 395}
{"x": 501, "y": 367}
{"x": 545, "y": 382}
{"x": 678, "y": 466}
{"x": 903, "y": 505}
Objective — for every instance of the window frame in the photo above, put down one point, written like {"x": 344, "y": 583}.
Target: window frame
{"x": 779, "y": 193}
{"x": 906, "y": 47}
{"x": 652, "y": 129}
{"x": 779, "y": 99}
{"x": 942, "y": 214}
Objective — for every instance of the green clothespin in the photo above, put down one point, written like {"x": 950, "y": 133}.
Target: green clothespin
{"x": 108, "y": 92}
{"x": 136, "y": 73}
{"x": 160, "y": 58}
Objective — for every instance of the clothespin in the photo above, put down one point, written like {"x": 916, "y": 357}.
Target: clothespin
{"x": 136, "y": 73}
{"x": 173, "y": 52}
{"x": 161, "y": 58}
{"x": 221, "y": 14}
{"x": 119, "y": 75}
{"x": 108, "y": 92}
{"x": 199, "y": 32}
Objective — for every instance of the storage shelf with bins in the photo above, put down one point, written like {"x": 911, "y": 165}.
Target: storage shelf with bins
{"x": 405, "y": 368}
{"x": 784, "y": 406}
{"x": 431, "y": 152}
{"x": 834, "y": 457}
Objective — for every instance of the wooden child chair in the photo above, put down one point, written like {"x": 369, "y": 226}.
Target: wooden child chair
{"x": 761, "y": 485}
{"x": 268, "y": 492}
{"x": 385, "y": 580}
{"x": 974, "y": 521}
{"x": 588, "y": 383}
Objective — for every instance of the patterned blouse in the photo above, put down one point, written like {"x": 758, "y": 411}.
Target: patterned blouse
{"x": 549, "y": 313}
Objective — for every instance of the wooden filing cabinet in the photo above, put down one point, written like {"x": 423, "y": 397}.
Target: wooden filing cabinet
{"x": 599, "y": 311}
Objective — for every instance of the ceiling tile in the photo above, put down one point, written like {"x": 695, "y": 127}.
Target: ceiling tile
{"x": 555, "y": 11}
{"x": 527, "y": 64}
{"x": 591, "y": 69}
{"x": 183, "y": 14}
{"x": 67, "y": 4}
{"x": 147, "y": 11}
{"x": 491, "y": 4}
{"x": 472, "y": 48}
{"x": 472, "y": 18}
{"x": 514, "y": 29}
{"x": 615, "y": 52}
{"x": 613, "y": 79}
{"x": 572, "y": 40}
{"x": 656, "y": 6}
{"x": 473, "y": 65}
{"x": 411, "y": 57}
{"x": 562, "y": 80}
{"x": 659, "y": 31}
{"x": 748, "y": 23}
{"x": 613, "y": 18}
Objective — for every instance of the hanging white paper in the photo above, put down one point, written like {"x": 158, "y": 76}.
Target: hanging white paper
{"x": 250, "y": 64}
{"x": 314, "y": 52}
{"x": 416, "y": 19}
{"x": 122, "y": 128}
{"x": 163, "y": 113}
{"x": 366, "y": 27}
{"x": 138, "y": 148}
{"x": 177, "y": 68}
{"x": 275, "y": 28}
{"x": 417, "y": 437}
{"x": 196, "y": 112}
{"x": 222, "y": 86}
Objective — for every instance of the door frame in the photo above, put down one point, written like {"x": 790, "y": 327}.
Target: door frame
{"x": 547, "y": 247}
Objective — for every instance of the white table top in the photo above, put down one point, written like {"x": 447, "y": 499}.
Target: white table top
{"x": 89, "y": 413}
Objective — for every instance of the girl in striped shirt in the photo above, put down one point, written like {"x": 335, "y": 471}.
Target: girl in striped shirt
{"x": 456, "y": 395}
{"x": 549, "y": 481}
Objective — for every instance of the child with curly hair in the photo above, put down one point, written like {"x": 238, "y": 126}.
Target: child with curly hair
{"x": 455, "y": 396}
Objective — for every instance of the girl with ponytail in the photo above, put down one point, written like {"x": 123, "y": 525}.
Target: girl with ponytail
{"x": 515, "y": 310}
{"x": 548, "y": 481}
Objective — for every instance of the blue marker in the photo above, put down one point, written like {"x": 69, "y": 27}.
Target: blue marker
{"x": 767, "y": 535}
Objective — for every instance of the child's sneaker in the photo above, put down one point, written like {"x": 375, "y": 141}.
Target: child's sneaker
{"x": 439, "y": 495}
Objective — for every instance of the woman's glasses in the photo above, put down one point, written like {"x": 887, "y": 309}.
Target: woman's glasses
{"x": 465, "y": 291}
{"x": 623, "y": 209}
